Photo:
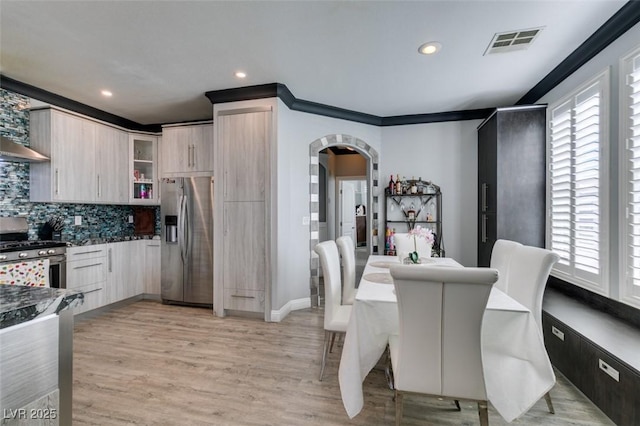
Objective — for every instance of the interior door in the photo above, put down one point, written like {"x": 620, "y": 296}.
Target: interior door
{"x": 348, "y": 210}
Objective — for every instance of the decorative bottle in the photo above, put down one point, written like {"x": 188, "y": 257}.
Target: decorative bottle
{"x": 398, "y": 185}
{"x": 392, "y": 186}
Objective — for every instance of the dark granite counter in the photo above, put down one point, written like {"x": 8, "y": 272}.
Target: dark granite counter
{"x": 20, "y": 304}
{"x": 104, "y": 240}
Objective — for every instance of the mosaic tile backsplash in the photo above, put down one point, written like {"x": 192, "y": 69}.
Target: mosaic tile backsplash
{"x": 98, "y": 221}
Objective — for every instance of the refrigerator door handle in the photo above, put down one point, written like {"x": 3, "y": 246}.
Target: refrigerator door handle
{"x": 181, "y": 242}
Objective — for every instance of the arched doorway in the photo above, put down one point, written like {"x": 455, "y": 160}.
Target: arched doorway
{"x": 371, "y": 155}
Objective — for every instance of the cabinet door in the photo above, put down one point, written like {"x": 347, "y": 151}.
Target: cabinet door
{"x": 73, "y": 158}
{"x": 244, "y": 258}
{"x": 175, "y": 150}
{"x": 125, "y": 269}
{"x": 202, "y": 148}
{"x": 245, "y": 140}
{"x": 152, "y": 267}
{"x": 143, "y": 175}
{"x": 112, "y": 164}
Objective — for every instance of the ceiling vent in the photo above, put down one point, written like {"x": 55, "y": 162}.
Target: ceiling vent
{"x": 512, "y": 40}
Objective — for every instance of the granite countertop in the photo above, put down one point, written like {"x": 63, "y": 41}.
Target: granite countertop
{"x": 103, "y": 240}
{"x": 20, "y": 303}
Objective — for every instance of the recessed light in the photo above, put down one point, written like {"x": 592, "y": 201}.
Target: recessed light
{"x": 106, "y": 93}
{"x": 241, "y": 74}
{"x": 430, "y": 47}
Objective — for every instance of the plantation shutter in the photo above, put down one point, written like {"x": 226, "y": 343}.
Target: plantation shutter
{"x": 632, "y": 111}
{"x": 575, "y": 139}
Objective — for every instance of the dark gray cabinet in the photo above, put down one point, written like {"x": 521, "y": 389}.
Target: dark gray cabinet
{"x": 597, "y": 352}
{"x": 511, "y": 178}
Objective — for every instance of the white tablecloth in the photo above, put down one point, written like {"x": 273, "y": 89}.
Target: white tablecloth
{"x": 516, "y": 366}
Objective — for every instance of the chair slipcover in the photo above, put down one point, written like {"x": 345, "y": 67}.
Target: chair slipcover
{"x": 500, "y": 257}
{"x": 438, "y": 350}
{"x": 347, "y": 252}
{"x": 336, "y": 315}
{"x": 527, "y": 276}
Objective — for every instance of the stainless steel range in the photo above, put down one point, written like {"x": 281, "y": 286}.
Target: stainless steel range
{"x": 15, "y": 247}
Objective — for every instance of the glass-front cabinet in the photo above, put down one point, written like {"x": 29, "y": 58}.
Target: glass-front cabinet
{"x": 144, "y": 186}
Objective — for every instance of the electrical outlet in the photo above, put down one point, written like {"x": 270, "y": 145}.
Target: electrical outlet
{"x": 130, "y": 218}
{"x": 305, "y": 220}
{"x": 77, "y": 220}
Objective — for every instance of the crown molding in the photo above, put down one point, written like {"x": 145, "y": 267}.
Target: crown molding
{"x": 66, "y": 103}
{"x": 618, "y": 24}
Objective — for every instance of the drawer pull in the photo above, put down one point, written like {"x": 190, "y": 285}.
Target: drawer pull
{"x": 87, "y": 266}
{"x": 559, "y": 334}
{"x": 615, "y": 374}
{"x": 243, "y": 297}
{"x": 86, "y": 252}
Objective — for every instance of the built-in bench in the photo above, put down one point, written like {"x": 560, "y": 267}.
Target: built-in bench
{"x": 597, "y": 351}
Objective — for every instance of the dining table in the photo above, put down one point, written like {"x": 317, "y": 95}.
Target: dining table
{"x": 516, "y": 366}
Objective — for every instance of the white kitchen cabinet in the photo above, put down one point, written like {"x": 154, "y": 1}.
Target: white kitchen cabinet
{"x": 152, "y": 266}
{"x": 187, "y": 149}
{"x": 112, "y": 165}
{"x": 87, "y": 272}
{"x": 143, "y": 173}
{"x": 125, "y": 269}
{"x": 243, "y": 146}
{"x": 89, "y": 160}
{"x": 244, "y": 254}
{"x": 244, "y": 152}
{"x": 69, "y": 141}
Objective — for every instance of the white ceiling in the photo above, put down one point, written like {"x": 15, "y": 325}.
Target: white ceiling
{"x": 160, "y": 57}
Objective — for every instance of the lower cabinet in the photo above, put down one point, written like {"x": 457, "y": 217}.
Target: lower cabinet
{"x": 603, "y": 378}
{"x": 125, "y": 270}
{"x": 109, "y": 273}
{"x": 152, "y": 267}
{"x": 87, "y": 272}
{"x": 244, "y": 264}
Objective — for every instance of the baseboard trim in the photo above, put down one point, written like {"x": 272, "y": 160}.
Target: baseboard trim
{"x": 291, "y": 305}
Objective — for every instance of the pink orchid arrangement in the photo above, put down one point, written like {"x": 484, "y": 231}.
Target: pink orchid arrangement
{"x": 419, "y": 232}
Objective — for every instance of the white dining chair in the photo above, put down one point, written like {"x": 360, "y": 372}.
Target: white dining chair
{"x": 404, "y": 245}
{"x": 500, "y": 258}
{"x": 348, "y": 255}
{"x": 438, "y": 350}
{"x": 336, "y": 315}
{"x": 527, "y": 275}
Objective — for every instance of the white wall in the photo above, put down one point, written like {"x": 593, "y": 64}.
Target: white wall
{"x": 446, "y": 154}
{"x": 295, "y": 132}
{"x": 609, "y": 57}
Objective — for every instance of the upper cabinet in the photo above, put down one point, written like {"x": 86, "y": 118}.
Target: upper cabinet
{"x": 112, "y": 164}
{"x": 143, "y": 176}
{"x": 91, "y": 162}
{"x": 70, "y": 142}
{"x": 187, "y": 149}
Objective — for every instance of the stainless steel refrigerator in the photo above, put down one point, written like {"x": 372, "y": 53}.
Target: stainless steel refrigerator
{"x": 187, "y": 240}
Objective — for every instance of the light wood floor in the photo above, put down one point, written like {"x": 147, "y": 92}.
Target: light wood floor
{"x": 153, "y": 364}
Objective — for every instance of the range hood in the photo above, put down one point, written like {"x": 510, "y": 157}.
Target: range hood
{"x": 12, "y": 151}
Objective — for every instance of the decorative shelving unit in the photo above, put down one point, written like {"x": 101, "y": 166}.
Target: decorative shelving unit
{"x": 422, "y": 206}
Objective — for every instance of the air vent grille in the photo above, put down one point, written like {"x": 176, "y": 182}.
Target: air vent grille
{"x": 512, "y": 40}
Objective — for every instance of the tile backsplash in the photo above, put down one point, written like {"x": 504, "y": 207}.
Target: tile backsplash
{"x": 98, "y": 221}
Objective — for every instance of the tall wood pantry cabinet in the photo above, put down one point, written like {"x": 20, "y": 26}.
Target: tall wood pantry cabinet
{"x": 511, "y": 178}
{"x": 242, "y": 182}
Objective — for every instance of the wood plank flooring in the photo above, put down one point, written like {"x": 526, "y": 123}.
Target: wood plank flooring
{"x": 153, "y": 364}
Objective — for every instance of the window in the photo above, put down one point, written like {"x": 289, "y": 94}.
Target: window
{"x": 577, "y": 185}
{"x": 630, "y": 179}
